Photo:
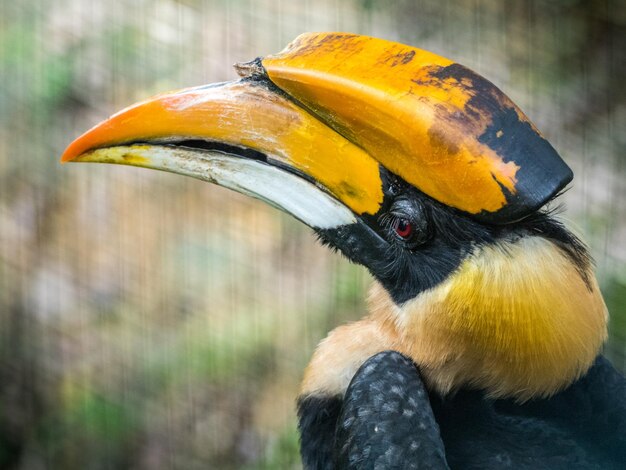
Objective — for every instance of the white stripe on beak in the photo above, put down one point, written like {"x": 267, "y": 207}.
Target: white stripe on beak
{"x": 279, "y": 188}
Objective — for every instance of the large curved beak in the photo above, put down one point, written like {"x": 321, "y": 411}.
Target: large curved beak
{"x": 324, "y": 114}
{"x": 247, "y": 136}
{"x": 441, "y": 127}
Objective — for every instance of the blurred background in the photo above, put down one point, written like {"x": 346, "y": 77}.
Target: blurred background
{"x": 151, "y": 321}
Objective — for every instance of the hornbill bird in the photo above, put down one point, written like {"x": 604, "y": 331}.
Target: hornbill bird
{"x": 481, "y": 345}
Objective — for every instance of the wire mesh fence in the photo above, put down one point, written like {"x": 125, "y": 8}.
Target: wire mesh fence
{"x": 152, "y": 321}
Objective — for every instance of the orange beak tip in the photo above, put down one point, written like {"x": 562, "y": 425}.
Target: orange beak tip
{"x": 67, "y": 156}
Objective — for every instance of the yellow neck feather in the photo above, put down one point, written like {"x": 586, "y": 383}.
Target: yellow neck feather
{"x": 516, "y": 319}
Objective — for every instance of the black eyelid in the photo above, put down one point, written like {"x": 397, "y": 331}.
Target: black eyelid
{"x": 415, "y": 214}
{"x": 411, "y": 210}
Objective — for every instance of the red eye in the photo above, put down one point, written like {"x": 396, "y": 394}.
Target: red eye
{"x": 403, "y": 228}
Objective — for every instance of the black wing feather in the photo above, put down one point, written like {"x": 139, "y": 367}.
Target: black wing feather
{"x": 387, "y": 421}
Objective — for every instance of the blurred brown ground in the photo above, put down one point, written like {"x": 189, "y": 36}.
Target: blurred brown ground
{"x": 152, "y": 321}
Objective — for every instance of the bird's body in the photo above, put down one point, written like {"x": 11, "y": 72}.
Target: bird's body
{"x": 429, "y": 176}
{"x": 580, "y": 428}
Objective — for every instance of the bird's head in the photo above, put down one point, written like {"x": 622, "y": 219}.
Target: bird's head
{"x": 408, "y": 163}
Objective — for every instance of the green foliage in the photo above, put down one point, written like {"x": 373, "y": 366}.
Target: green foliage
{"x": 283, "y": 453}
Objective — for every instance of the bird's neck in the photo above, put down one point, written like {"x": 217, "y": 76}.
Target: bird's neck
{"x": 516, "y": 320}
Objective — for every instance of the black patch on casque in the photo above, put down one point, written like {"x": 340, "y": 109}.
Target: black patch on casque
{"x": 542, "y": 172}
{"x": 317, "y": 420}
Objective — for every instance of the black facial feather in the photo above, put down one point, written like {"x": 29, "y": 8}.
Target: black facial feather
{"x": 447, "y": 237}
{"x": 404, "y": 270}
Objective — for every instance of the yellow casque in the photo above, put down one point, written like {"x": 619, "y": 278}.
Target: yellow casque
{"x": 399, "y": 104}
